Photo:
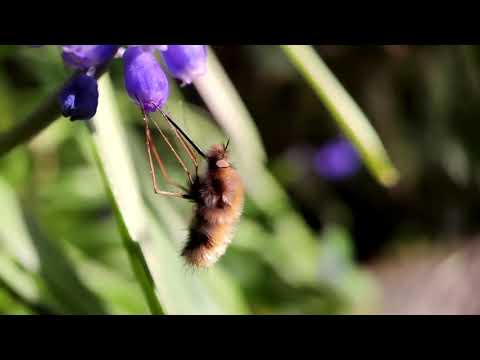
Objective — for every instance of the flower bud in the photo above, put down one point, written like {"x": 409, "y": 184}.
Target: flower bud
{"x": 145, "y": 81}
{"x": 186, "y": 62}
{"x": 79, "y": 98}
{"x": 83, "y": 57}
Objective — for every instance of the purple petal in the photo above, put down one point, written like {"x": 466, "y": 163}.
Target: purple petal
{"x": 84, "y": 57}
{"x": 186, "y": 62}
{"x": 145, "y": 81}
{"x": 79, "y": 98}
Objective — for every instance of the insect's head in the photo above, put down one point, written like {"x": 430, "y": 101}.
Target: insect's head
{"x": 218, "y": 157}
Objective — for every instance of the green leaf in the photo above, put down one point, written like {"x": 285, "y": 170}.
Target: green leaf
{"x": 36, "y": 268}
{"x": 119, "y": 294}
{"x": 348, "y": 115}
{"x": 228, "y": 109}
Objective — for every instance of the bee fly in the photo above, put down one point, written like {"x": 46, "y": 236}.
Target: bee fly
{"x": 218, "y": 194}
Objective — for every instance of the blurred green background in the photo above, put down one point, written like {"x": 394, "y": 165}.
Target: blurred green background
{"x": 305, "y": 245}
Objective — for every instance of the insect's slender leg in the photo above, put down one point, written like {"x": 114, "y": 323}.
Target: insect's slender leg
{"x": 185, "y": 136}
{"x": 184, "y": 142}
{"x": 159, "y": 161}
{"x": 150, "y": 161}
{"x": 148, "y": 143}
{"x": 187, "y": 148}
{"x": 179, "y": 159}
{"x": 169, "y": 193}
{"x": 164, "y": 171}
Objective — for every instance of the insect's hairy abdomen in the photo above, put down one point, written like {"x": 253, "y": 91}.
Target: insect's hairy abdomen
{"x": 219, "y": 202}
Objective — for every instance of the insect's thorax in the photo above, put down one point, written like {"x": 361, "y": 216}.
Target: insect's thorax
{"x": 214, "y": 188}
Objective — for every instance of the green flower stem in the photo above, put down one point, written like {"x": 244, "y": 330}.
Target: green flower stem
{"x": 117, "y": 171}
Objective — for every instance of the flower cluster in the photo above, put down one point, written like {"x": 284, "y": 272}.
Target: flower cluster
{"x": 145, "y": 81}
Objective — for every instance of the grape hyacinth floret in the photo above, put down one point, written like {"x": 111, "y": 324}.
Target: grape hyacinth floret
{"x": 145, "y": 81}
{"x": 152, "y": 47}
{"x": 84, "y": 57}
{"x": 186, "y": 62}
{"x": 79, "y": 98}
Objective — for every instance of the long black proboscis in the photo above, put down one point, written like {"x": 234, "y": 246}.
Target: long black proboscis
{"x": 197, "y": 149}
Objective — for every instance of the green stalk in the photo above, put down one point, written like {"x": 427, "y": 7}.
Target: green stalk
{"x": 348, "y": 115}
{"x": 229, "y": 110}
{"x": 118, "y": 174}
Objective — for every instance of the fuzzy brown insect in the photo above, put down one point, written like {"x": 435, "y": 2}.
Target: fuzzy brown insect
{"x": 218, "y": 195}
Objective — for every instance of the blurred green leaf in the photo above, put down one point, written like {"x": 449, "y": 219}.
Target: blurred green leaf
{"x": 338, "y": 268}
{"x": 21, "y": 281}
{"x": 228, "y": 109}
{"x": 43, "y": 262}
{"x": 9, "y": 305}
{"x": 119, "y": 294}
{"x": 349, "y": 117}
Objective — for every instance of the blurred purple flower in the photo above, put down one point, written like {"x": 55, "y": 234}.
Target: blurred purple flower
{"x": 79, "y": 98}
{"x": 336, "y": 160}
{"x": 145, "y": 81}
{"x": 186, "y": 62}
{"x": 84, "y": 57}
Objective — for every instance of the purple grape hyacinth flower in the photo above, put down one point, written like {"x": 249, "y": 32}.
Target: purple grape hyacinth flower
{"x": 79, "y": 98}
{"x": 336, "y": 160}
{"x": 153, "y": 47}
{"x": 186, "y": 62}
{"x": 84, "y": 57}
{"x": 160, "y": 47}
{"x": 145, "y": 81}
